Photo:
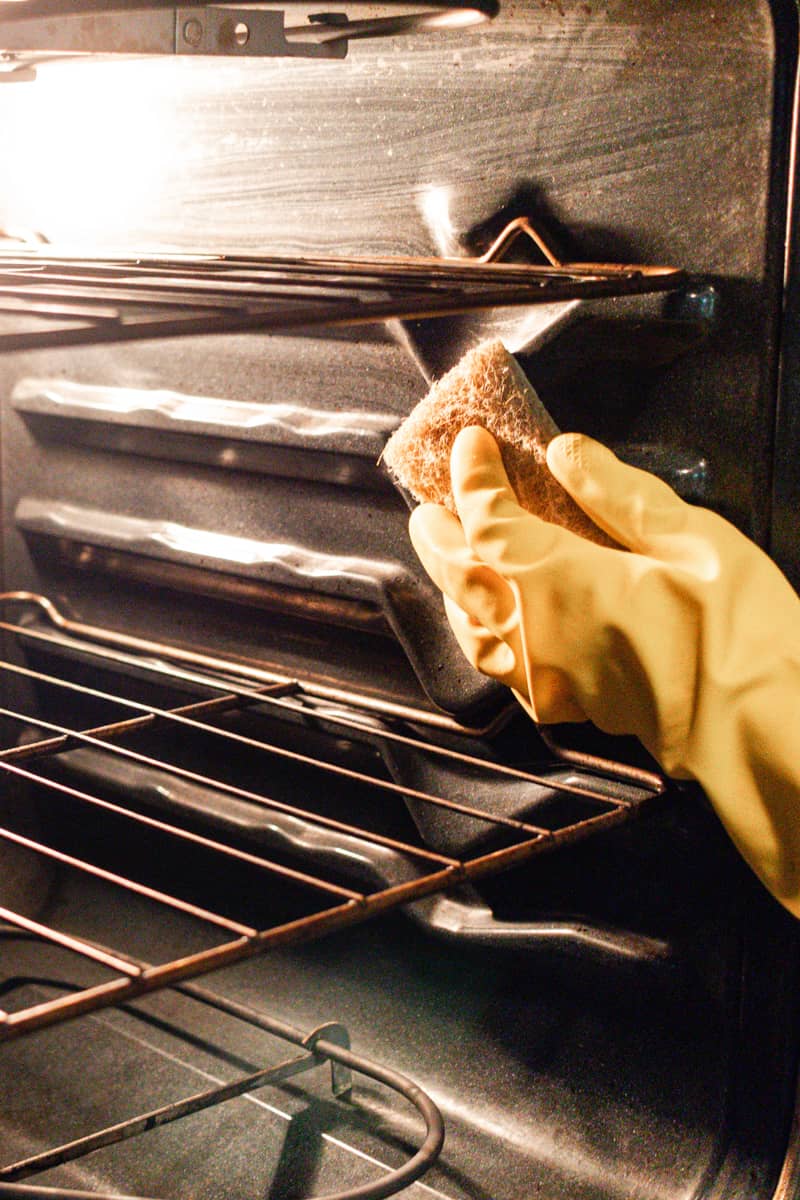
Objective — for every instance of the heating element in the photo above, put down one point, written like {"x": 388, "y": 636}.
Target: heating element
{"x": 328, "y": 1044}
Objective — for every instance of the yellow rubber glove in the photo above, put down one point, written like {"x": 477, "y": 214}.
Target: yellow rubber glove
{"x": 691, "y": 642}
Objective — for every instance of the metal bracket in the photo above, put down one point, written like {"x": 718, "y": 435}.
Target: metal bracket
{"x": 212, "y": 30}
{"x": 49, "y": 28}
{"x": 336, "y": 1034}
{"x": 248, "y": 32}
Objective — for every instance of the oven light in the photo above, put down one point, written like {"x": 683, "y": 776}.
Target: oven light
{"x": 459, "y": 18}
{"x": 87, "y": 151}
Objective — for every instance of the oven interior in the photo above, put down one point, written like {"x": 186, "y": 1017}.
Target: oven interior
{"x": 255, "y": 805}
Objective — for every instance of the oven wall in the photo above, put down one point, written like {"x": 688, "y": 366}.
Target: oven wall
{"x": 634, "y": 130}
{"x": 631, "y": 131}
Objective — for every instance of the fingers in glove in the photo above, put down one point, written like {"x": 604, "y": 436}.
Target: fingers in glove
{"x": 490, "y": 513}
{"x": 487, "y": 652}
{"x": 482, "y": 610}
{"x": 547, "y": 695}
{"x": 632, "y": 506}
{"x": 439, "y": 541}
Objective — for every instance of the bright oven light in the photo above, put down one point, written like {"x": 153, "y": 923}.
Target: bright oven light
{"x": 86, "y": 149}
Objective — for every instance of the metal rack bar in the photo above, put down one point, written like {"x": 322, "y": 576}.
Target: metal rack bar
{"x": 77, "y": 300}
{"x": 185, "y": 835}
{"x": 105, "y": 742}
{"x": 69, "y": 860}
{"x": 216, "y": 672}
{"x": 228, "y": 278}
{"x": 332, "y": 905}
{"x": 78, "y": 945}
{"x": 98, "y": 640}
{"x": 104, "y": 738}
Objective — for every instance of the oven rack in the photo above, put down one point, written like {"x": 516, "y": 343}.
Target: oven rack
{"x": 571, "y": 810}
{"x": 61, "y": 300}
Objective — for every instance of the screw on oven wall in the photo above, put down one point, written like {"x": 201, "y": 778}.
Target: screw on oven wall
{"x": 193, "y": 32}
{"x": 699, "y": 302}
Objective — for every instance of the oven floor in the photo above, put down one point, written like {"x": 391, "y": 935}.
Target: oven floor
{"x": 548, "y": 1089}
{"x": 287, "y": 1142}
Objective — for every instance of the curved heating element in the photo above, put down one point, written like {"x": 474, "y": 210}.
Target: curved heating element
{"x": 329, "y": 1043}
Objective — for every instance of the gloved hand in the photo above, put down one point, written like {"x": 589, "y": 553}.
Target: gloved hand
{"x": 689, "y": 638}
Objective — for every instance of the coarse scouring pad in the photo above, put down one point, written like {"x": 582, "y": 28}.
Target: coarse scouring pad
{"x": 489, "y": 388}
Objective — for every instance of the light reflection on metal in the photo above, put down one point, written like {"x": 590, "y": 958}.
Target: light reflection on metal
{"x": 285, "y": 561}
{"x": 434, "y": 204}
{"x": 294, "y": 424}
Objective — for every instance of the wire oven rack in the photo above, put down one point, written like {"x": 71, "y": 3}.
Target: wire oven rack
{"x": 60, "y": 300}
{"x": 226, "y": 688}
{"x": 332, "y": 904}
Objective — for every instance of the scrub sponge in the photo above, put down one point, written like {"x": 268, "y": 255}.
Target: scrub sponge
{"x": 487, "y": 387}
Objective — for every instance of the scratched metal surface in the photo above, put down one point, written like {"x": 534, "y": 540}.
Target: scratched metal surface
{"x": 611, "y": 111}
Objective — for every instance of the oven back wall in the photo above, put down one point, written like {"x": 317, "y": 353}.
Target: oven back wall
{"x": 636, "y": 131}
